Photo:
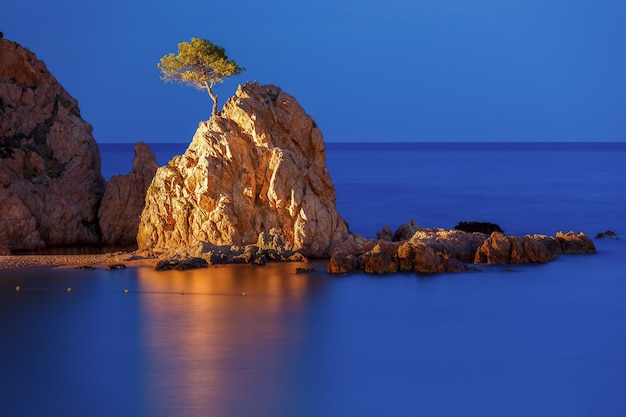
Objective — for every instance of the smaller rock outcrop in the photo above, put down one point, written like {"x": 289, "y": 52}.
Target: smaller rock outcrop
{"x": 124, "y": 199}
{"x": 403, "y": 232}
{"x": 574, "y": 243}
{"x": 440, "y": 250}
{"x": 501, "y": 249}
{"x": 609, "y": 234}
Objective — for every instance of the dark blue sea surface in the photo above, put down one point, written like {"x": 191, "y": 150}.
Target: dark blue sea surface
{"x": 532, "y": 340}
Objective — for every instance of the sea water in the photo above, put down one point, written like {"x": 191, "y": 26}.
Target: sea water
{"x": 541, "y": 340}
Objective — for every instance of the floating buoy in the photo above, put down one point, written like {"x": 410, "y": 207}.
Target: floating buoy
{"x": 243, "y": 294}
{"x": 69, "y": 289}
{"x": 17, "y": 288}
{"x": 182, "y": 293}
{"x": 126, "y": 291}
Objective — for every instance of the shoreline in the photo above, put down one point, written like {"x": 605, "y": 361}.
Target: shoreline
{"x": 101, "y": 260}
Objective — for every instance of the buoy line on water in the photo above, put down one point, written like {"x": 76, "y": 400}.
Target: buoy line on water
{"x": 22, "y": 290}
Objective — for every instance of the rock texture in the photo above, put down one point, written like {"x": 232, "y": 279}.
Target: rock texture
{"x": 50, "y": 181}
{"x": 124, "y": 199}
{"x": 258, "y": 166}
{"x": 403, "y": 232}
{"x": 439, "y": 250}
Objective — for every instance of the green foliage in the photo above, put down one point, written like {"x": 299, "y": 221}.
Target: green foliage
{"x": 154, "y": 190}
{"x": 200, "y": 64}
{"x": 172, "y": 163}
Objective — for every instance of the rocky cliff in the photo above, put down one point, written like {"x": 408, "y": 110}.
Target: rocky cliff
{"x": 124, "y": 199}
{"x": 50, "y": 181}
{"x": 258, "y": 166}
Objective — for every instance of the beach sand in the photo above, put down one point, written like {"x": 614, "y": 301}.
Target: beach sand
{"x": 95, "y": 260}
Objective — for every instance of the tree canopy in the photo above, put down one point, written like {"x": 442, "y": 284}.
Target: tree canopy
{"x": 200, "y": 64}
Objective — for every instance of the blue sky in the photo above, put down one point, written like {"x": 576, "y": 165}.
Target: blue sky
{"x": 420, "y": 70}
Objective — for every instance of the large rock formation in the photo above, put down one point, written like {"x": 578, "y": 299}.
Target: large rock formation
{"x": 259, "y": 166}
{"x": 124, "y": 199}
{"x": 50, "y": 181}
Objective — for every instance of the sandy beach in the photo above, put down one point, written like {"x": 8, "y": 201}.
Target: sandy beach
{"x": 95, "y": 260}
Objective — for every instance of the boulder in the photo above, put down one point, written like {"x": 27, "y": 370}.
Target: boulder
{"x": 50, "y": 181}
{"x": 343, "y": 263}
{"x": 609, "y": 234}
{"x": 417, "y": 256}
{"x": 575, "y": 243}
{"x": 504, "y": 249}
{"x": 385, "y": 233}
{"x": 405, "y": 231}
{"x": 181, "y": 264}
{"x": 124, "y": 199}
{"x": 382, "y": 259}
{"x": 496, "y": 249}
{"x": 258, "y": 166}
{"x": 452, "y": 244}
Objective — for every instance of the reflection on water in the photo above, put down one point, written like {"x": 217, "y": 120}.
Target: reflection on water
{"x": 216, "y": 338}
{"x": 541, "y": 340}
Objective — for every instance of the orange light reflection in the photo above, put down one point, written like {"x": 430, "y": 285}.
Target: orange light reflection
{"x": 206, "y": 343}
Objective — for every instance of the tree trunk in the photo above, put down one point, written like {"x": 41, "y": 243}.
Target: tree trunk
{"x": 214, "y": 97}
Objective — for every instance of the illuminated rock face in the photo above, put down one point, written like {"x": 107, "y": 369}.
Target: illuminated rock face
{"x": 432, "y": 250}
{"x": 124, "y": 199}
{"x": 50, "y": 181}
{"x": 258, "y": 166}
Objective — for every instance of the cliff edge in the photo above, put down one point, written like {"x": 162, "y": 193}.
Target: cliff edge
{"x": 50, "y": 180}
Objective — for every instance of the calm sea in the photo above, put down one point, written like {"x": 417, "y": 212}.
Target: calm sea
{"x": 537, "y": 340}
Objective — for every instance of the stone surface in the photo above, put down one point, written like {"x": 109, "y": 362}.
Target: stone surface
{"x": 50, "y": 181}
{"x": 406, "y": 231}
{"x": 385, "y": 233}
{"x": 503, "y": 249}
{"x": 439, "y": 250}
{"x": 381, "y": 259}
{"x": 258, "y": 166}
{"x": 124, "y": 199}
{"x": 609, "y": 234}
{"x": 575, "y": 243}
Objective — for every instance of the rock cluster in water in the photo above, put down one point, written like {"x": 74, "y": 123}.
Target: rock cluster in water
{"x": 257, "y": 167}
{"x": 50, "y": 180}
{"x": 439, "y": 250}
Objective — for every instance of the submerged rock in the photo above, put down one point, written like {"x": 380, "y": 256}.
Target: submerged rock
{"x": 609, "y": 234}
{"x": 50, "y": 181}
{"x": 181, "y": 264}
{"x": 258, "y": 166}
